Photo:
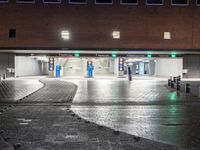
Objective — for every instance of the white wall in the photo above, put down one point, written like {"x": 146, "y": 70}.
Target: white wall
{"x": 6, "y": 61}
{"x": 112, "y": 65}
{"x": 151, "y": 67}
{"x": 166, "y": 67}
{"x": 116, "y": 65}
{"x": 28, "y": 66}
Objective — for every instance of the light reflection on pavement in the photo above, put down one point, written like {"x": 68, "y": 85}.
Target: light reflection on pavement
{"x": 129, "y": 107}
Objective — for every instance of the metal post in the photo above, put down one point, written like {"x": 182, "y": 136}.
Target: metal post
{"x": 187, "y": 88}
{"x": 172, "y": 84}
{"x": 169, "y": 82}
{"x": 4, "y": 76}
{"x": 178, "y": 86}
{"x": 174, "y": 79}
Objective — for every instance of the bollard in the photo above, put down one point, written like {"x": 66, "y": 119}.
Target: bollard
{"x": 169, "y": 82}
{"x": 130, "y": 77}
{"x": 4, "y": 76}
{"x": 99, "y": 126}
{"x": 178, "y": 86}
{"x": 172, "y": 84}
{"x": 116, "y": 132}
{"x": 17, "y": 146}
{"x": 7, "y": 138}
{"x": 187, "y": 88}
{"x": 136, "y": 138}
{"x": 179, "y": 78}
{"x": 199, "y": 91}
{"x": 174, "y": 79}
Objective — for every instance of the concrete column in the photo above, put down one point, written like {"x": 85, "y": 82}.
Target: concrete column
{"x": 116, "y": 67}
{"x": 151, "y": 67}
{"x": 111, "y": 66}
{"x": 141, "y": 68}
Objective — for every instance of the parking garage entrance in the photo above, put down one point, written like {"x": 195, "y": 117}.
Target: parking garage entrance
{"x": 104, "y": 66}
{"x": 79, "y": 66}
{"x": 140, "y": 66}
{"x": 61, "y": 66}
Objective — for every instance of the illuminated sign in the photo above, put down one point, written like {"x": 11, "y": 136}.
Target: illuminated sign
{"x": 114, "y": 54}
{"x": 77, "y": 54}
{"x": 121, "y": 64}
{"x": 51, "y": 64}
{"x": 173, "y": 54}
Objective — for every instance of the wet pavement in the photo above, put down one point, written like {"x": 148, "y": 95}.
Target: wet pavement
{"x": 43, "y": 120}
{"x": 146, "y": 108}
{"x": 172, "y": 124}
{"x": 194, "y": 87}
{"x": 123, "y": 92}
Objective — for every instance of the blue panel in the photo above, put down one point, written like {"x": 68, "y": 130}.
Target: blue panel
{"x": 58, "y": 71}
{"x": 90, "y": 70}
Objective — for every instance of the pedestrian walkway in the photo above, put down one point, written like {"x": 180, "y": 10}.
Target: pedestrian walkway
{"x": 12, "y": 90}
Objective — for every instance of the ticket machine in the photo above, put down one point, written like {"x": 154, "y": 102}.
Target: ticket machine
{"x": 58, "y": 68}
{"x": 90, "y": 69}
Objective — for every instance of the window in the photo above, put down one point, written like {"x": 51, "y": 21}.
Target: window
{"x": 129, "y": 2}
{"x": 154, "y": 2}
{"x": 3, "y": 1}
{"x": 52, "y": 1}
{"x": 198, "y": 2}
{"x": 25, "y": 1}
{"x": 180, "y": 2}
{"x": 103, "y": 1}
{"x": 78, "y": 1}
{"x": 12, "y": 33}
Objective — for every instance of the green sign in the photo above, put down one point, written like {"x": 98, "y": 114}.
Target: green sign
{"x": 114, "y": 54}
{"x": 149, "y": 54}
{"x": 77, "y": 54}
{"x": 173, "y": 54}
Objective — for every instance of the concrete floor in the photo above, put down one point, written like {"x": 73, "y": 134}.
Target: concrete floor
{"x": 146, "y": 108}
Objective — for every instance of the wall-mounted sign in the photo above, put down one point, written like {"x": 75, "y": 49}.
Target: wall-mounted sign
{"x": 51, "y": 64}
{"x": 135, "y": 55}
{"x": 66, "y": 55}
{"x": 121, "y": 64}
{"x": 102, "y": 55}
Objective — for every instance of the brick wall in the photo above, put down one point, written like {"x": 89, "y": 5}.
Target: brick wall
{"x": 38, "y": 26}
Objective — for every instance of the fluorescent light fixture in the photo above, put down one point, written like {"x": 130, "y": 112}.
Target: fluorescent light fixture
{"x": 167, "y": 35}
{"x": 116, "y": 34}
{"x": 65, "y": 34}
{"x": 42, "y": 58}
